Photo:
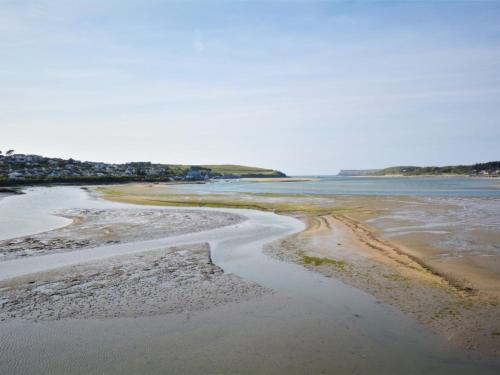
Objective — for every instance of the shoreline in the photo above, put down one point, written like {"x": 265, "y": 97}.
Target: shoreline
{"x": 353, "y": 215}
{"x": 425, "y": 175}
{"x": 245, "y": 304}
{"x": 459, "y": 311}
{"x": 10, "y": 191}
{"x": 335, "y": 247}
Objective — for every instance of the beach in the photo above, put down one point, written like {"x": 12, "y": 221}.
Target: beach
{"x": 400, "y": 249}
{"x": 149, "y": 288}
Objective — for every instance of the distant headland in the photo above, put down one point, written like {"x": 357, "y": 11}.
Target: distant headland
{"x": 18, "y": 169}
{"x": 490, "y": 169}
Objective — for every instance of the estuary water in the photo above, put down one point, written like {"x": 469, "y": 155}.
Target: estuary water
{"x": 331, "y": 185}
{"x": 309, "y": 324}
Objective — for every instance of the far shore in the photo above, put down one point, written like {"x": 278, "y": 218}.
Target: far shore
{"x": 423, "y": 175}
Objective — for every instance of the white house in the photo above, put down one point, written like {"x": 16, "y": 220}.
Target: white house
{"x": 19, "y": 158}
{"x": 15, "y": 175}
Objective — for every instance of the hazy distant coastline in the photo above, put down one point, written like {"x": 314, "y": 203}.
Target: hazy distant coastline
{"x": 489, "y": 169}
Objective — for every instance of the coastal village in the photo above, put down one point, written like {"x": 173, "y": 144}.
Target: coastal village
{"x": 19, "y": 167}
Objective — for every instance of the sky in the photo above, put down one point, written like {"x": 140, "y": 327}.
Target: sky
{"x": 300, "y": 86}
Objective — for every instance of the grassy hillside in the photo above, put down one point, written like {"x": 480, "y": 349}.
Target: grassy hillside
{"x": 491, "y": 168}
{"x": 242, "y": 170}
{"x": 226, "y": 169}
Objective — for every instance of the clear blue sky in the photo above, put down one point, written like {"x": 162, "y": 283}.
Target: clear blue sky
{"x": 304, "y": 87}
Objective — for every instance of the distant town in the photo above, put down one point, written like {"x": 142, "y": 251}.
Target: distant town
{"x": 21, "y": 168}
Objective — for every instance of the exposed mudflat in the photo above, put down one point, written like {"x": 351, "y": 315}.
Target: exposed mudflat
{"x": 95, "y": 227}
{"x": 178, "y": 279}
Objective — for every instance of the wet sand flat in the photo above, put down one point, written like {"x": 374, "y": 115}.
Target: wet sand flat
{"x": 382, "y": 245}
{"x": 156, "y": 282}
{"x": 459, "y": 237}
{"x": 168, "y": 305}
{"x": 272, "y": 334}
{"x": 330, "y": 247}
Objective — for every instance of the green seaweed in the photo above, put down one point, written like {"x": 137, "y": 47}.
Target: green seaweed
{"x": 317, "y": 261}
{"x": 394, "y": 277}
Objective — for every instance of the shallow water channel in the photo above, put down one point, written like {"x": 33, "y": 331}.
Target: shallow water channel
{"x": 310, "y": 324}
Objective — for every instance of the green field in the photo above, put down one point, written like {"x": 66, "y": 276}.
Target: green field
{"x": 241, "y": 169}
{"x": 226, "y": 169}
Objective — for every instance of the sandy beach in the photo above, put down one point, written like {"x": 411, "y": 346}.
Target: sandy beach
{"x": 139, "y": 289}
{"x": 345, "y": 250}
